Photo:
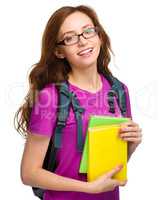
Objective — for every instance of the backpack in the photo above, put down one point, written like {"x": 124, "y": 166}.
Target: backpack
{"x": 67, "y": 99}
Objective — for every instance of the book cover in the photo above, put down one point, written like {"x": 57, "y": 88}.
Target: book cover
{"x": 95, "y": 121}
{"x": 106, "y": 151}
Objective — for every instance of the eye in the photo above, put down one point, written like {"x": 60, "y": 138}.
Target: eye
{"x": 69, "y": 38}
{"x": 89, "y": 30}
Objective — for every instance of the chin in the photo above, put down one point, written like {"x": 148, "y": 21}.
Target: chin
{"x": 87, "y": 64}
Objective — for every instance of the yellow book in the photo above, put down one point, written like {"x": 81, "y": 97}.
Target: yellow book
{"x": 106, "y": 151}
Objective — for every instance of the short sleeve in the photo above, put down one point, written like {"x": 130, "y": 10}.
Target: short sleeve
{"x": 43, "y": 115}
{"x": 128, "y": 104}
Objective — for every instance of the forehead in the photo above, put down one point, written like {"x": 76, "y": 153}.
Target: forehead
{"x": 75, "y": 22}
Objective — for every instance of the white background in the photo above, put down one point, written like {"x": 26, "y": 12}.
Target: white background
{"x": 134, "y": 29}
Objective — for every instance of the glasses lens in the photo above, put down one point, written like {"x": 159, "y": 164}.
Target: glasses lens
{"x": 89, "y": 32}
{"x": 72, "y": 39}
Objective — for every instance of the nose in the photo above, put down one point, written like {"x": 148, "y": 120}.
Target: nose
{"x": 82, "y": 40}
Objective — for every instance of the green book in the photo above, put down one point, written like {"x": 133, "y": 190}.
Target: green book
{"x": 94, "y": 121}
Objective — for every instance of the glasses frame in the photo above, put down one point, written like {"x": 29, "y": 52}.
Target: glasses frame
{"x": 78, "y": 35}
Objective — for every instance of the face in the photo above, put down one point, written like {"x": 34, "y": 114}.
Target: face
{"x": 86, "y": 51}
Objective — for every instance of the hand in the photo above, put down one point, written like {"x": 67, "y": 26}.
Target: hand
{"x": 105, "y": 182}
{"x": 132, "y": 133}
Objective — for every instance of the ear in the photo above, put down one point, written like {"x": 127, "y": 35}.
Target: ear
{"x": 58, "y": 53}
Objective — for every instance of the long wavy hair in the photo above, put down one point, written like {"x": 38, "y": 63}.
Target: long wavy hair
{"x": 51, "y": 69}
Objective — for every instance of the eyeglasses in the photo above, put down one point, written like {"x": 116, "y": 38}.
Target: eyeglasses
{"x": 74, "y": 38}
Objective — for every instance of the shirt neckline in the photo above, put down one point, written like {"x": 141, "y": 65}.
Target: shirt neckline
{"x": 86, "y": 91}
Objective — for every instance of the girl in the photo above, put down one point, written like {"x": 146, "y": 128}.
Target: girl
{"x": 75, "y": 48}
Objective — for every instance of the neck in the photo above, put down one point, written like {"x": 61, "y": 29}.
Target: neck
{"x": 87, "y": 78}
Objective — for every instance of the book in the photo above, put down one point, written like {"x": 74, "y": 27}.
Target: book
{"x": 95, "y": 121}
{"x": 106, "y": 151}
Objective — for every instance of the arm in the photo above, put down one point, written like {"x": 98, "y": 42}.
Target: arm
{"x": 130, "y": 152}
{"x": 34, "y": 175}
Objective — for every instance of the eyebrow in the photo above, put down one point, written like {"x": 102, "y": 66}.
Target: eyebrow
{"x": 72, "y": 31}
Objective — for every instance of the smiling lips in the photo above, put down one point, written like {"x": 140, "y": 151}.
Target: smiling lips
{"x": 85, "y": 51}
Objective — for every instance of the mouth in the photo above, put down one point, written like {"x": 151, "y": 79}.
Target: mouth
{"x": 85, "y": 52}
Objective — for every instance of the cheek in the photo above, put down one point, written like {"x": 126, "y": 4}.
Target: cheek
{"x": 71, "y": 55}
{"x": 97, "y": 43}
{"x": 98, "y": 47}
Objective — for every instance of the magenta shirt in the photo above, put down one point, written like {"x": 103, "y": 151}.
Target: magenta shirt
{"x": 42, "y": 121}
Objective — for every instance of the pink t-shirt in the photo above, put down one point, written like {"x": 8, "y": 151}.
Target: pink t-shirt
{"x": 43, "y": 121}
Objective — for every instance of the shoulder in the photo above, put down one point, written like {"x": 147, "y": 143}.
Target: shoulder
{"x": 105, "y": 81}
{"x": 126, "y": 89}
{"x": 47, "y": 95}
{"x": 43, "y": 115}
{"x": 124, "y": 86}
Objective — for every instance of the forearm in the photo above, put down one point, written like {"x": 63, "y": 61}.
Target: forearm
{"x": 129, "y": 156}
{"x": 131, "y": 149}
{"x": 51, "y": 181}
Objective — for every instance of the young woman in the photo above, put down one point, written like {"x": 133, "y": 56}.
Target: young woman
{"x": 75, "y": 48}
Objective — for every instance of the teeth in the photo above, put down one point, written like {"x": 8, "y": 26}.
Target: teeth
{"x": 85, "y": 51}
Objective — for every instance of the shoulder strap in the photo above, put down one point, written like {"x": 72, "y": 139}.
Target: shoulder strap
{"x": 117, "y": 90}
{"x": 78, "y": 115}
{"x": 63, "y": 112}
{"x": 120, "y": 94}
{"x": 67, "y": 98}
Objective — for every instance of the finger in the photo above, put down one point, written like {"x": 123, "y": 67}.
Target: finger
{"x": 131, "y": 129}
{"x": 130, "y": 134}
{"x": 119, "y": 183}
{"x": 136, "y": 140}
{"x": 114, "y": 171}
{"x": 122, "y": 183}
